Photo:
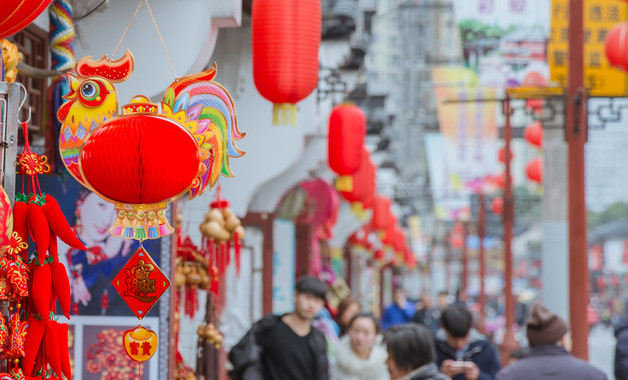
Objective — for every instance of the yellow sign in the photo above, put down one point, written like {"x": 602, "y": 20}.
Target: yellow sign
{"x": 600, "y": 16}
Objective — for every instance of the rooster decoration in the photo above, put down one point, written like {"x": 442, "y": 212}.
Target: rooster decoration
{"x": 142, "y": 158}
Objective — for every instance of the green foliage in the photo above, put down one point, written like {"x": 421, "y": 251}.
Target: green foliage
{"x": 473, "y": 30}
{"x": 616, "y": 211}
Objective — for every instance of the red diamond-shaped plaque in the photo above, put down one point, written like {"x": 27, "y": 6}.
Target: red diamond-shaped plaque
{"x": 140, "y": 283}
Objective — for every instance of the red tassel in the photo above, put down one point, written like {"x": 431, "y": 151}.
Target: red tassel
{"x": 228, "y": 254}
{"x": 238, "y": 249}
{"x": 222, "y": 258}
{"x": 212, "y": 252}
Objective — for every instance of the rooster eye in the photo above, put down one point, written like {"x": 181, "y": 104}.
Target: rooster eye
{"x": 90, "y": 90}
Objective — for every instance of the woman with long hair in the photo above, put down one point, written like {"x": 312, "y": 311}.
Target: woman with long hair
{"x": 347, "y": 308}
{"x": 361, "y": 355}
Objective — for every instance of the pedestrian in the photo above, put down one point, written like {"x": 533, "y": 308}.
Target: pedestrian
{"x": 549, "y": 356}
{"x": 621, "y": 349}
{"x": 462, "y": 352}
{"x": 400, "y": 311}
{"x": 411, "y": 353}
{"x": 443, "y": 300}
{"x": 361, "y": 355}
{"x": 347, "y": 308}
{"x": 285, "y": 347}
{"x": 428, "y": 315}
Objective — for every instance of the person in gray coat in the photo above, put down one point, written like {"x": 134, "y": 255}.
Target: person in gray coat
{"x": 549, "y": 356}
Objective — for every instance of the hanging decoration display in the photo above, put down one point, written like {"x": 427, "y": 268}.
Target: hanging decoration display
{"x": 363, "y": 193}
{"x": 286, "y": 36}
{"x": 533, "y": 134}
{"x": 534, "y": 170}
{"x": 221, "y": 230}
{"x": 31, "y": 328}
{"x": 347, "y": 130}
{"x": 198, "y": 121}
{"x": 15, "y": 15}
{"x": 140, "y": 343}
{"x": 382, "y": 217}
{"x": 11, "y": 57}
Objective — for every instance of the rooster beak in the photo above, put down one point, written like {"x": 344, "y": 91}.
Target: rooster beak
{"x": 74, "y": 84}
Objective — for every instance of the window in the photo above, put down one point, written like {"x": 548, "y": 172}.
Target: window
{"x": 32, "y": 42}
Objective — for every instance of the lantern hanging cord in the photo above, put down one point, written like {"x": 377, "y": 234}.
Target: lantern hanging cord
{"x": 163, "y": 44}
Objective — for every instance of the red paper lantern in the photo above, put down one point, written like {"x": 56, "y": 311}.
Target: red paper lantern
{"x": 286, "y": 35}
{"x": 497, "y": 205}
{"x": 15, "y": 15}
{"x": 501, "y": 155}
{"x": 534, "y": 170}
{"x": 347, "y": 130}
{"x": 534, "y": 134}
{"x": 363, "y": 180}
{"x": 500, "y": 180}
{"x": 141, "y": 181}
{"x": 616, "y": 46}
{"x": 382, "y": 217}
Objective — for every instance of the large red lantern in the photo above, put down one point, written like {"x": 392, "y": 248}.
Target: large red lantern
{"x": 616, "y": 46}
{"x": 286, "y": 35}
{"x": 363, "y": 180}
{"x": 534, "y": 134}
{"x": 124, "y": 162}
{"x": 347, "y": 130}
{"x": 15, "y": 15}
{"x": 382, "y": 217}
{"x": 534, "y": 170}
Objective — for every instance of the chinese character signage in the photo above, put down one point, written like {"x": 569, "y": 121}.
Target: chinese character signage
{"x": 600, "y": 16}
{"x": 140, "y": 283}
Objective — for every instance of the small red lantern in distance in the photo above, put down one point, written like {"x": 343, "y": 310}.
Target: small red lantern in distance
{"x": 616, "y": 46}
{"x": 347, "y": 130}
{"x": 497, "y": 205}
{"x": 534, "y": 134}
{"x": 15, "y": 15}
{"x": 286, "y": 36}
{"x": 363, "y": 179}
{"x": 382, "y": 217}
{"x": 501, "y": 155}
{"x": 534, "y": 170}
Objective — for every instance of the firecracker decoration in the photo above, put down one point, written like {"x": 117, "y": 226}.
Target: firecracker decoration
{"x": 37, "y": 344}
{"x": 221, "y": 229}
{"x": 140, "y": 283}
{"x": 98, "y": 144}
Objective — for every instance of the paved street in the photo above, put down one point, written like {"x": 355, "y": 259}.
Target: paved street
{"x": 602, "y": 349}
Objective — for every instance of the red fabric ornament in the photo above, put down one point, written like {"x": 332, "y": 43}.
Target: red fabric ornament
{"x": 534, "y": 170}
{"x": 347, "y": 130}
{"x": 15, "y": 15}
{"x": 286, "y": 35}
{"x": 534, "y": 134}
{"x": 616, "y": 46}
{"x": 382, "y": 217}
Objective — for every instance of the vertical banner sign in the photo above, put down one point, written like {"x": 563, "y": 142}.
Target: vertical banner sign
{"x": 600, "y": 16}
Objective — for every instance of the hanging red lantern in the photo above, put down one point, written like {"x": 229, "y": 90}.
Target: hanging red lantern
{"x": 497, "y": 205}
{"x": 534, "y": 170}
{"x": 347, "y": 130}
{"x": 15, "y": 15}
{"x": 286, "y": 35}
{"x": 501, "y": 155}
{"x": 363, "y": 180}
{"x": 534, "y": 134}
{"x": 409, "y": 258}
{"x": 616, "y": 46}
{"x": 382, "y": 217}
{"x": 500, "y": 181}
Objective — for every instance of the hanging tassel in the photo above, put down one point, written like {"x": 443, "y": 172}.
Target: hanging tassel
{"x": 228, "y": 254}
{"x": 222, "y": 258}
{"x": 238, "y": 249}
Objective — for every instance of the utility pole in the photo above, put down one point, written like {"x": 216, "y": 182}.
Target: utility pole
{"x": 576, "y": 136}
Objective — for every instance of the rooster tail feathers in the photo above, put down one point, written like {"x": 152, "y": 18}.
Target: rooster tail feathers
{"x": 187, "y": 80}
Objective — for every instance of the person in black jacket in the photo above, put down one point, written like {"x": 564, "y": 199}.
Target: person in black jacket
{"x": 621, "y": 349}
{"x": 462, "y": 352}
{"x": 285, "y": 347}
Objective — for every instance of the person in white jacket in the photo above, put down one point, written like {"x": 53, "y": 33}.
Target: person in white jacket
{"x": 361, "y": 355}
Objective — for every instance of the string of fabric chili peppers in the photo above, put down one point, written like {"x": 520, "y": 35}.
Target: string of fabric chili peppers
{"x": 38, "y": 216}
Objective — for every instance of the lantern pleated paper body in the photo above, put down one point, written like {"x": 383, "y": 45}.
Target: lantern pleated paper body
{"x": 616, "y": 46}
{"x": 534, "y": 170}
{"x": 347, "y": 130}
{"x": 382, "y": 217}
{"x": 15, "y": 15}
{"x": 286, "y": 35}
{"x": 363, "y": 192}
{"x": 125, "y": 161}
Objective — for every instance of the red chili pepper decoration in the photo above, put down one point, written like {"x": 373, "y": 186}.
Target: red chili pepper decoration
{"x": 38, "y": 225}
{"x": 42, "y": 278}
{"x": 60, "y": 225}
{"x": 61, "y": 287}
{"x": 51, "y": 347}
{"x": 34, "y": 337}
{"x": 52, "y": 247}
{"x": 64, "y": 350}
